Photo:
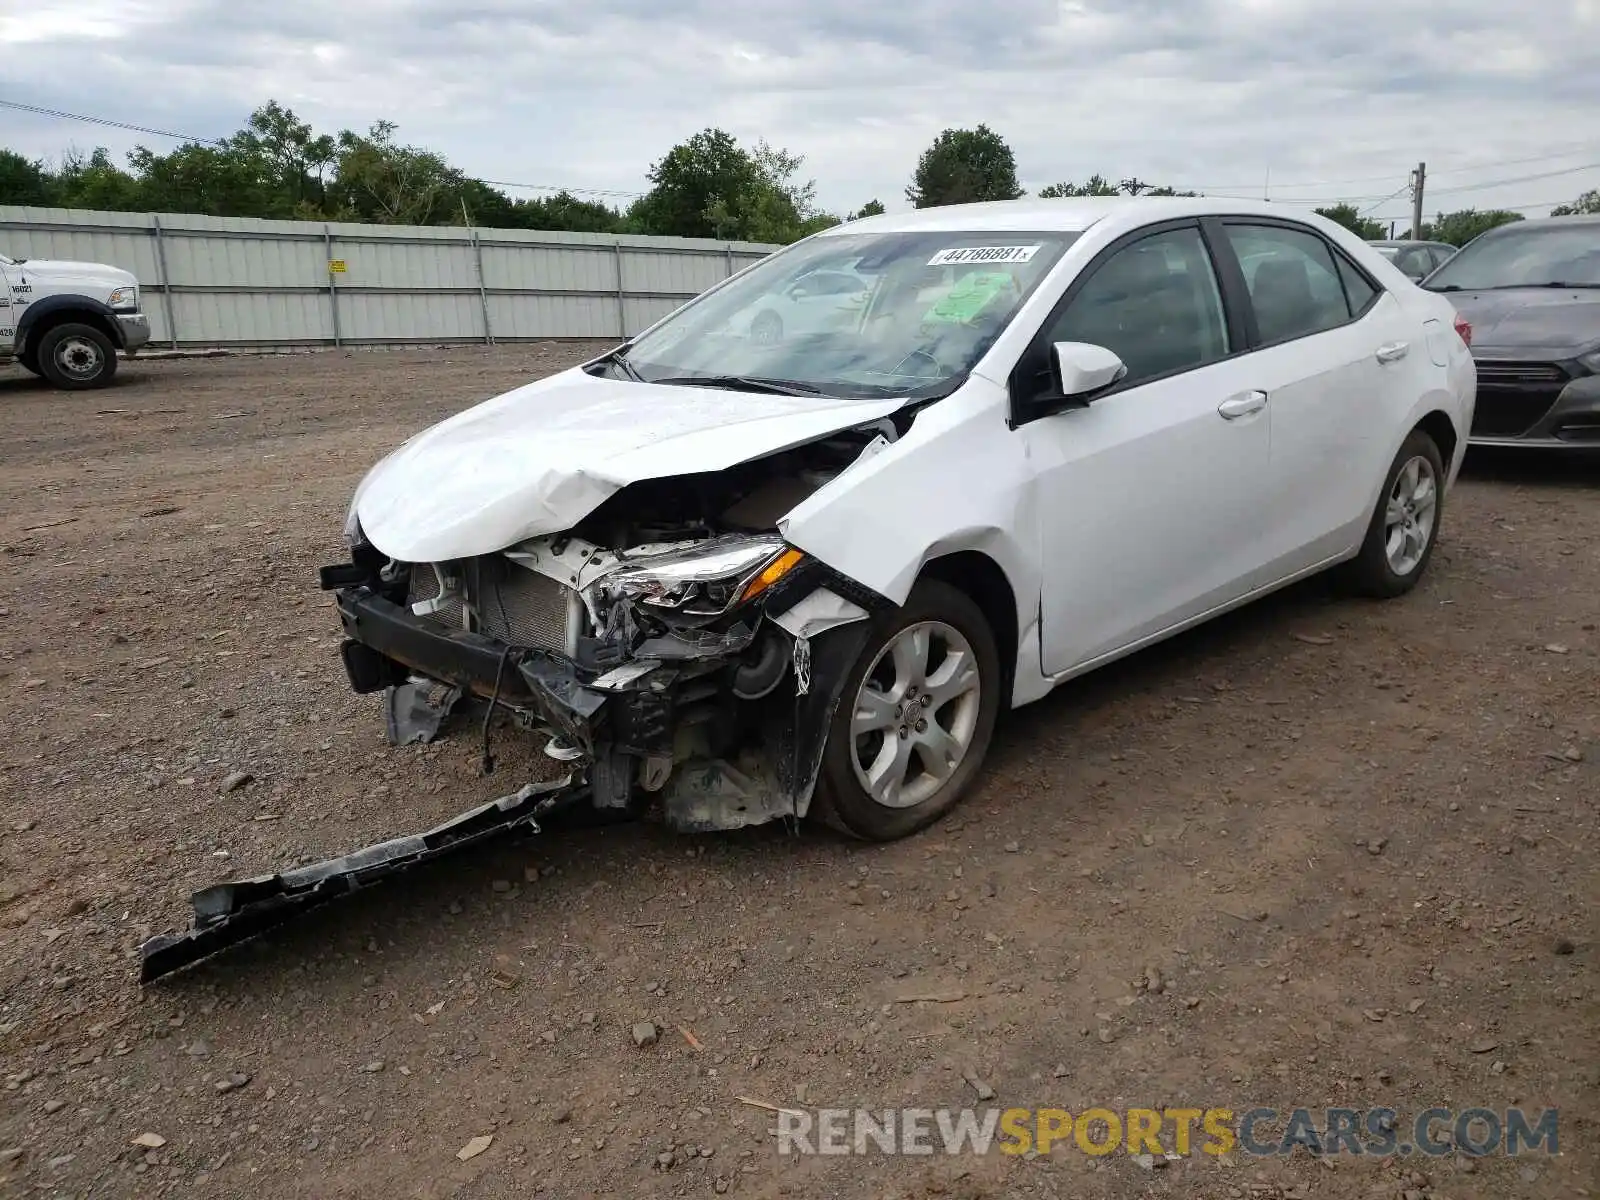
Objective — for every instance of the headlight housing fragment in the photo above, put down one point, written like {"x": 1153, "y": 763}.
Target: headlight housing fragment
{"x": 707, "y": 580}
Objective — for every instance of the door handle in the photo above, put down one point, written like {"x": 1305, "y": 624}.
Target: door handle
{"x": 1392, "y": 352}
{"x": 1242, "y": 405}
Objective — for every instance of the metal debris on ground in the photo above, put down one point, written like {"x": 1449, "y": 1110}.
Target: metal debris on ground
{"x": 239, "y": 910}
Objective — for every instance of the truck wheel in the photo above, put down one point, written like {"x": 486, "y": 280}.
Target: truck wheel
{"x": 76, "y": 357}
{"x": 915, "y": 717}
{"x": 28, "y": 362}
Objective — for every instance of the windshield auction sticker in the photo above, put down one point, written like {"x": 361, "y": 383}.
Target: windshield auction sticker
{"x": 982, "y": 254}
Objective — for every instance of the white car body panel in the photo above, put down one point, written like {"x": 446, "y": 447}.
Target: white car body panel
{"x": 542, "y": 457}
{"x": 1115, "y": 524}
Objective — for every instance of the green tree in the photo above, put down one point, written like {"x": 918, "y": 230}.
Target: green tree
{"x": 295, "y": 158}
{"x": 872, "y": 208}
{"x": 563, "y": 210}
{"x": 1095, "y": 185}
{"x": 205, "y": 179}
{"x": 1585, "y": 205}
{"x": 380, "y": 180}
{"x": 711, "y": 187}
{"x": 25, "y": 181}
{"x": 1350, "y": 217}
{"x": 963, "y": 166}
{"x": 1099, "y": 185}
{"x": 1459, "y": 228}
{"x": 96, "y": 182}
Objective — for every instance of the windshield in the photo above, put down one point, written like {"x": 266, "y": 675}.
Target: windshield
{"x": 871, "y": 314}
{"x": 1543, "y": 256}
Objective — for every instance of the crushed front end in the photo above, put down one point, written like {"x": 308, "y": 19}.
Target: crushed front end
{"x": 694, "y": 663}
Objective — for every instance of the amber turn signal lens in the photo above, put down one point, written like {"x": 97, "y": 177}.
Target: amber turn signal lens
{"x": 771, "y": 573}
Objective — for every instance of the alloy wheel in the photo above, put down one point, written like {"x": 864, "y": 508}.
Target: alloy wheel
{"x": 1409, "y": 516}
{"x": 915, "y": 714}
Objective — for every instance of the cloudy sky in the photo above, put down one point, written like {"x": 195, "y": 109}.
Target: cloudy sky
{"x": 1315, "y": 100}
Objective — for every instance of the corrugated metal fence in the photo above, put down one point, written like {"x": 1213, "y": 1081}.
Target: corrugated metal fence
{"x": 238, "y": 281}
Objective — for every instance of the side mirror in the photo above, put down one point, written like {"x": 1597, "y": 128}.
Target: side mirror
{"x": 1081, "y": 370}
{"x": 1078, "y": 372}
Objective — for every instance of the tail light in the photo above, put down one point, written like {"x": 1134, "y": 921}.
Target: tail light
{"x": 1464, "y": 329}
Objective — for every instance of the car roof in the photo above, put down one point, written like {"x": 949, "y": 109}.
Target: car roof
{"x": 1068, "y": 215}
{"x": 1408, "y": 242}
{"x": 1549, "y": 222}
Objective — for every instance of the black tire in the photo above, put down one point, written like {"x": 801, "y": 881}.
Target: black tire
{"x": 841, "y": 799}
{"x": 767, "y": 329}
{"x": 62, "y": 346}
{"x": 1371, "y": 573}
{"x": 28, "y": 362}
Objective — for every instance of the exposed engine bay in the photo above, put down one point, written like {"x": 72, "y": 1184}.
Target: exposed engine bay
{"x": 664, "y": 644}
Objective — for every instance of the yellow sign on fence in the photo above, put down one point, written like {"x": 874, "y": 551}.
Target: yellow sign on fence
{"x": 336, "y": 266}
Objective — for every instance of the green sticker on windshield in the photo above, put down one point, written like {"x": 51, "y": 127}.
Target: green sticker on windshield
{"x": 970, "y": 296}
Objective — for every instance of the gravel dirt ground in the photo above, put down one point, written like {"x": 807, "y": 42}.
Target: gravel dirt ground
{"x": 1321, "y": 852}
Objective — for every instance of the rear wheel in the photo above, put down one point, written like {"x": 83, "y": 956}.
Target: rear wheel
{"x": 1405, "y": 525}
{"x": 915, "y": 717}
{"x": 75, "y": 357}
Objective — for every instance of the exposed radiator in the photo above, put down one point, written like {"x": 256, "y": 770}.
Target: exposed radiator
{"x": 513, "y": 604}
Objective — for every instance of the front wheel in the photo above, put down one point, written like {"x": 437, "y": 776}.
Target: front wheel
{"x": 75, "y": 357}
{"x": 915, "y": 717}
{"x": 1405, "y": 525}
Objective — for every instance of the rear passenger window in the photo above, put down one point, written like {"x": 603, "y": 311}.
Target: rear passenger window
{"x": 1294, "y": 286}
{"x": 1357, "y": 290}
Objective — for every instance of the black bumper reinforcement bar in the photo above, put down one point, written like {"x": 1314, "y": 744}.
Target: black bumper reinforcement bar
{"x": 239, "y": 910}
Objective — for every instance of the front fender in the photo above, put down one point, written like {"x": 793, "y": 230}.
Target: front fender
{"x": 45, "y": 305}
{"x": 958, "y": 480}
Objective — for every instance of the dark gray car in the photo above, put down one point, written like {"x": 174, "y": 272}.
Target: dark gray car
{"x": 1531, "y": 292}
{"x": 1417, "y": 259}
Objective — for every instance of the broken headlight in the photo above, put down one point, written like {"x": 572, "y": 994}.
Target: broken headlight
{"x": 705, "y": 580}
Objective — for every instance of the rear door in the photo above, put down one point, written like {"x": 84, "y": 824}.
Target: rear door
{"x": 1335, "y": 353}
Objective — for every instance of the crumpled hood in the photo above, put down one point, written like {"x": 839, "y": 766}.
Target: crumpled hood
{"x": 539, "y": 459}
{"x": 1553, "y": 323}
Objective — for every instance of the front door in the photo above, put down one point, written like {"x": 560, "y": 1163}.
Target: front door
{"x": 1148, "y": 499}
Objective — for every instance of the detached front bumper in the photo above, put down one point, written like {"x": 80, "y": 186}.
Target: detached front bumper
{"x": 386, "y": 643}
{"x": 135, "y": 331}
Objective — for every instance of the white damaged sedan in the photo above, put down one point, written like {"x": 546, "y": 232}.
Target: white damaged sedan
{"x": 742, "y": 574}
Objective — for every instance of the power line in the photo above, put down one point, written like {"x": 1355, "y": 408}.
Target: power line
{"x": 188, "y": 137}
{"x": 1569, "y": 149}
{"x": 52, "y": 112}
{"x": 1368, "y": 212}
{"x": 1476, "y": 187}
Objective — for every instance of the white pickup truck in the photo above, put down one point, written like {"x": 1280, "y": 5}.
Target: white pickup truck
{"x": 66, "y": 321}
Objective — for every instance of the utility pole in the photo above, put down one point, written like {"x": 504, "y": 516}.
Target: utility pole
{"x": 1418, "y": 178}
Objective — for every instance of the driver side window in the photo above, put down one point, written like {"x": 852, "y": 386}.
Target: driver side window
{"x": 1155, "y": 303}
